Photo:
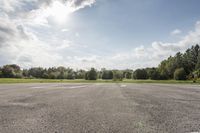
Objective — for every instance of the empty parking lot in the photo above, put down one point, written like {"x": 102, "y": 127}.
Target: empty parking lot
{"x": 101, "y": 108}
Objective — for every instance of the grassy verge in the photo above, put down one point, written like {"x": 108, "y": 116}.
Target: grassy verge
{"x": 13, "y": 80}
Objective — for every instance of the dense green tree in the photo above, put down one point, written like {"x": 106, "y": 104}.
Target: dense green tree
{"x": 190, "y": 61}
{"x": 36, "y": 72}
{"x": 62, "y": 75}
{"x": 197, "y": 66}
{"x": 25, "y": 72}
{"x": 80, "y": 74}
{"x": 91, "y": 74}
{"x": 107, "y": 74}
{"x": 117, "y": 75}
{"x": 70, "y": 75}
{"x": 196, "y": 73}
{"x": 180, "y": 74}
{"x": 127, "y": 74}
{"x": 53, "y": 75}
{"x": 8, "y": 72}
{"x": 140, "y": 74}
{"x": 1, "y": 74}
{"x": 162, "y": 68}
{"x": 153, "y": 74}
{"x": 11, "y": 71}
{"x": 86, "y": 76}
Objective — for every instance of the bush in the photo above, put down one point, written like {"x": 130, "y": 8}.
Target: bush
{"x": 91, "y": 75}
{"x": 140, "y": 74}
{"x": 107, "y": 74}
{"x": 19, "y": 75}
{"x": 1, "y": 74}
{"x": 197, "y": 73}
{"x": 8, "y": 72}
{"x": 153, "y": 74}
{"x": 117, "y": 75}
{"x": 70, "y": 75}
{"x": 180, "y": 74}
{"x": 128, "y": 75}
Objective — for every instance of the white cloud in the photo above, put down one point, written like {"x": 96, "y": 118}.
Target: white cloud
{"x": 22, "y": 47}
{"x": 21, "y": 43}
{"x": 9, "y": 5}
{"x": 40, "y": 12}
{"x": 151, "y": 56}
{"x": 65, "y": 44}
{"x": 77, "y": 34}
{"x": 20, "y": 40}
{"x": 192, "y": 38}
{"x": 64, "y": 30}
{"x": 176, "y": 32}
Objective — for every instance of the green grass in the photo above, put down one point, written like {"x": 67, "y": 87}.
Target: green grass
{"x": 13, "y": 80}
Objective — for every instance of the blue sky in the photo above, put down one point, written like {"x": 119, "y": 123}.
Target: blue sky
{"x": 96, "y": 33}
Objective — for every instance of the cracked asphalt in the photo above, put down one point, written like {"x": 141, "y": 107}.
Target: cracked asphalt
{"x": 99, "y": 108}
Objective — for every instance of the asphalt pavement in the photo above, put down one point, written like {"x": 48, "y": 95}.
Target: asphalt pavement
{"x": 99, "y": 108}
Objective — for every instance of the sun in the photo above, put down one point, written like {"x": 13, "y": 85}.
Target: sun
{"x": 59, "y": 11}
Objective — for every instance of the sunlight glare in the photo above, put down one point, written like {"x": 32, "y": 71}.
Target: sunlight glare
{"x": 60, "y": 12}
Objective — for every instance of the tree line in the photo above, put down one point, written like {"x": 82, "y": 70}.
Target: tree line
{"x": 182, "y": 66}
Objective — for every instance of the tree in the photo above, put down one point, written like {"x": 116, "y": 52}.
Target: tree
{"x": 70, "y": 75}
{"x": 62, "y": 75}
{"x": 191, "y": 59}
{"x": 197, "y": 67}
{"x": 11, "y": 71}
{"x": 91, "y": 75}
{"x": 117, "y": 75}
{"x": 8, "y": 72}
{"x": 140, "y": 74}
{"x": 180, "y": 74}
{"x": 25, "y": 72}
{"x": 80, "y": 74}
{"x": 86, "y": 76}
{"x": 107, "y": 74}
{"x": 1, "y": 74}
{"x": 127, "y": 74}
{"x": 36, "y": 72}
{"x": 163, "y": 70}
{"x": 153, "y": 74}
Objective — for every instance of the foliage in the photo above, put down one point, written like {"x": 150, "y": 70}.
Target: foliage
{"x": 91, "y": 75}
{"x": 1, "y": 74}
{"x": 11, "y": 71}
{"x": 127, "y": 74}
{"x": 153, "y": 74}
{"x": 170, "y": 68}
{"x": 197, "y": 73}
{"x": 180, "y": 74}
{"x": 107, "y": 74}
{"x": 140, "y": 74}
{"x": 190, "y": 61}
{"x": 117, "y": 75}
{"x": 80, "y": 74}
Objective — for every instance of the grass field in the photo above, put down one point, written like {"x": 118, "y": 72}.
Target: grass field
{"x": 13, "y": 80}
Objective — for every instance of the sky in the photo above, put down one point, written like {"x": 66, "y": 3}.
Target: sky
{"x": 112, "y": 34}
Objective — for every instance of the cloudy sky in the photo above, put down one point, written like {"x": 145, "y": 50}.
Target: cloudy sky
{"x": 96, "y": 33}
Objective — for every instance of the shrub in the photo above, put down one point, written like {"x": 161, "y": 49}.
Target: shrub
{"x": 154, "y": 74}
{"x": 117, "y": 75}
{"x": 107, "y": 74}
{"x": 180, "y": 74}
{"x": 128, "y": 75}
{"x": 91, "y": 75}
{"x": 140, "y": 74}
{"x": 1, "y": 74}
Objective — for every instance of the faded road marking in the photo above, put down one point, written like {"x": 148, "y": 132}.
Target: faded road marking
{"x": 123, "y": 86}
